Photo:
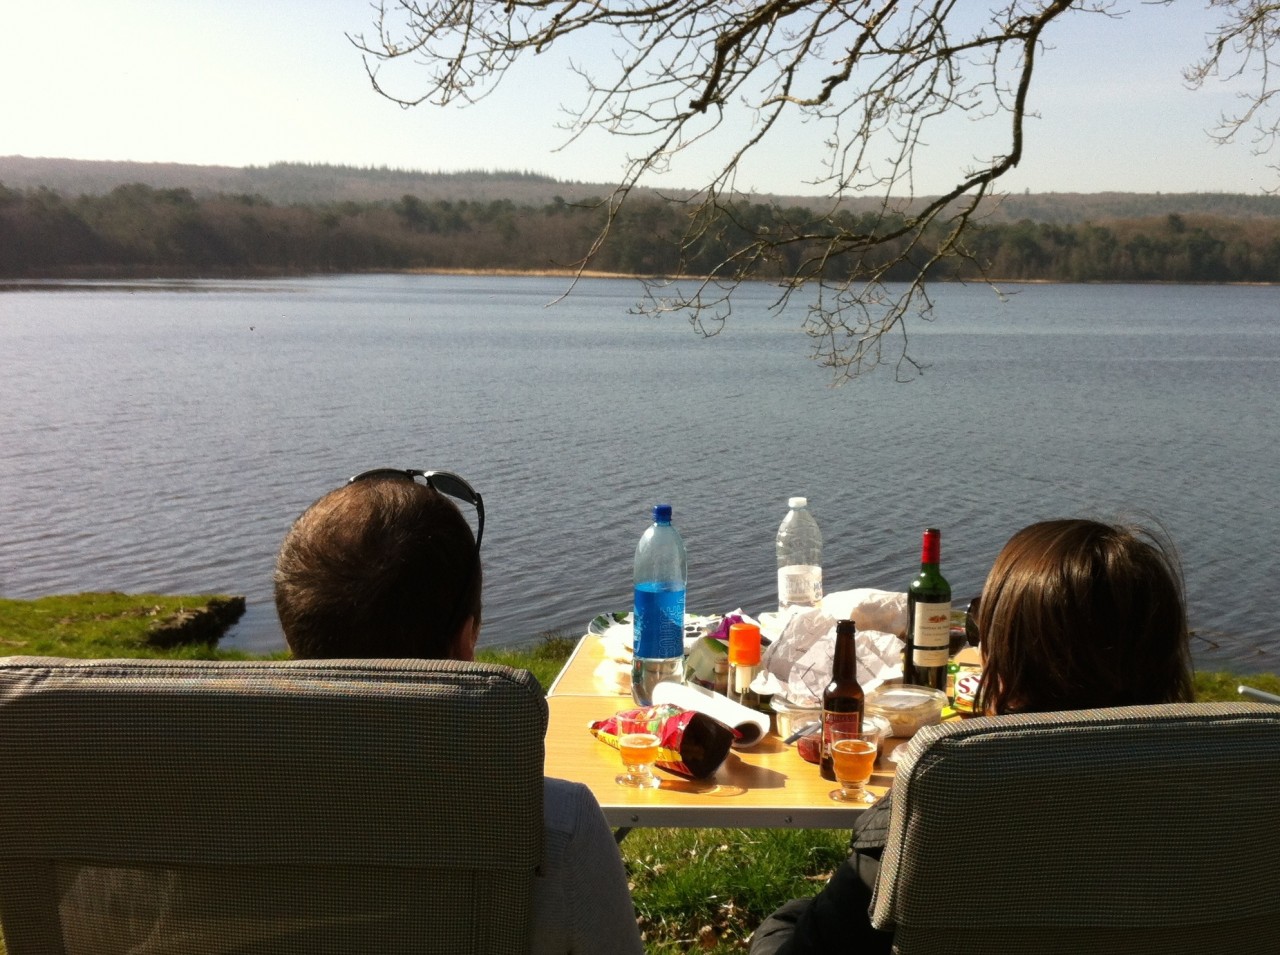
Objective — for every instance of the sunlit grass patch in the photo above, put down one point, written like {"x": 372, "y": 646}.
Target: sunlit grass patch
{"x": 708, "y": 889}
{"x": 105, "y": 625}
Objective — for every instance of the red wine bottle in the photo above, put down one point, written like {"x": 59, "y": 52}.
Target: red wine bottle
{"x": 842, "y": 700}
{"x": 928, "y": 619}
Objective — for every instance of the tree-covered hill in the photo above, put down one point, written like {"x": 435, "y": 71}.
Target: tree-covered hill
{"x": 305, "y": 183}
{"x": 138, "y": 231}
{"x": 71, "y": 219}
{"x": 289, "y": 183}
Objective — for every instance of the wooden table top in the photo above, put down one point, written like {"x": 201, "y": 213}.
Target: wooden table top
{"x": 766, "y": 786}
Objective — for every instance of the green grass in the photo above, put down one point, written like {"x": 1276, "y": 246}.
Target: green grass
{"x": 694, "y": 889}
{"x": 100, "y": 625}
{"x": 709, "y": 888}
{"x": 543, "y": 659}
{"x": 1222, "y": 686}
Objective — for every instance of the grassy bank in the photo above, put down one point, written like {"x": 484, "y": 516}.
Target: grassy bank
{"x": 699, "y": 889}
{"x": 119, "y": 625}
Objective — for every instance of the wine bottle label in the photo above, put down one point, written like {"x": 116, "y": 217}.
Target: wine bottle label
{"x": 931, "y": 634}
{"x": 799, "y": 584}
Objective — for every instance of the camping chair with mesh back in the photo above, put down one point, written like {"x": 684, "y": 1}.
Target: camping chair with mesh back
{"x": 282, "y": 807}
{"x": 1133, "y": 830}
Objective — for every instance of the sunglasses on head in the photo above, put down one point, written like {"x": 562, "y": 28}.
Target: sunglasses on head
{"x": 444, "y": 482}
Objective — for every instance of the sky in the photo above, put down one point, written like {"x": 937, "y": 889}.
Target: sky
{"x": 237, "y": 83}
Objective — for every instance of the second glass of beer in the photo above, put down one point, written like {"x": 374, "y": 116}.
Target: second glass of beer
{"x": 853, "y": 757}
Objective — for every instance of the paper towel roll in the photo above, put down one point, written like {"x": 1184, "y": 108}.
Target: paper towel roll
{"x": 751, "y": 724}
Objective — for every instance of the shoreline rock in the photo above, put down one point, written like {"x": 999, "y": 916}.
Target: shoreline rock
{"x": 205, "y": 624}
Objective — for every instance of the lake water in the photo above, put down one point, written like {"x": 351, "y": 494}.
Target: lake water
{"x": 162, "y": 436}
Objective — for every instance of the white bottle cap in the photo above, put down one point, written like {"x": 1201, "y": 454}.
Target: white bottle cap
{"x": 797, "y": 502}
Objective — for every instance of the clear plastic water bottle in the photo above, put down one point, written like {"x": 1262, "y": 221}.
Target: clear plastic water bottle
{"x": 799, "y": 550}
{"x": 661, "y": 573}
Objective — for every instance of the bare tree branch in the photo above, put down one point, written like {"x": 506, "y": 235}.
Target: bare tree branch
{"x": 877, "y": 76}
{"x": 1246, "y": 44}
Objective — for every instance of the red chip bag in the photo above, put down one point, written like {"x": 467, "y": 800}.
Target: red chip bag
{"x": 690, "y": 744}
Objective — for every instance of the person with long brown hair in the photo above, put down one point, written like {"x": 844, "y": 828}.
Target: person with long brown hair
{"x": 1074, "y": 614}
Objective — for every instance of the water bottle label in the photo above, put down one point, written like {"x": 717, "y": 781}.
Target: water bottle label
{"x": 799, "y": 585}
{"x": 659, "y": 621}
{"x": 932, "y": 635}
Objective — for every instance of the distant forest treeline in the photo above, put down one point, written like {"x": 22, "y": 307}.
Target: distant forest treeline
{"x": 293, "y": 183}
{"x": 137, "y": 230}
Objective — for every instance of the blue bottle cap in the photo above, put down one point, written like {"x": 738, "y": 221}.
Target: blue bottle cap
{"x": 662, "y": 513}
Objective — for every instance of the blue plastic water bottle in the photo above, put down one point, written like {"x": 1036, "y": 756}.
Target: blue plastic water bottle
{"x": 661, "y": 573}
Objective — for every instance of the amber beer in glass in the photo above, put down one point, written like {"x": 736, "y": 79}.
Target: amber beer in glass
{"x": 638, "y": 749}
{"x": 853, "y": 756}
{"x": 638, "y": 744}
{"x": 843, "y": 699}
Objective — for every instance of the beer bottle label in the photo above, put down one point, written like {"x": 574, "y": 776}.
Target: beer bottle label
{"x": 833, "y": 718}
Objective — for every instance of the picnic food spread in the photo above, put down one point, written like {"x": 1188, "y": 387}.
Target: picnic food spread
{"x": 820, "y": 660}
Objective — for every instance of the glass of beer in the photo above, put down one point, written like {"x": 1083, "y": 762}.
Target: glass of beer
{"x": 638, "y": 744}
{"x": 853, "y": 757}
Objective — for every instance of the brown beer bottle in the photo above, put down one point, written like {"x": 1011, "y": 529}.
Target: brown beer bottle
{"x": 842, "y": 700}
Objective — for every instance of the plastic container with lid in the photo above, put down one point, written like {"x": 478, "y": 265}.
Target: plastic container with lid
{"x": 907, "y": 708}
{"x": 878, "y": 723}
{"x": 789, "y": 717}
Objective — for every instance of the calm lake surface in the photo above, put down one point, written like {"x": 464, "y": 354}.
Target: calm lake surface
{"x": 162, "y": 436}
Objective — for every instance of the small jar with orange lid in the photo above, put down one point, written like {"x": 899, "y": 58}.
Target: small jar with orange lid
{"x": 744, "y": 663}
